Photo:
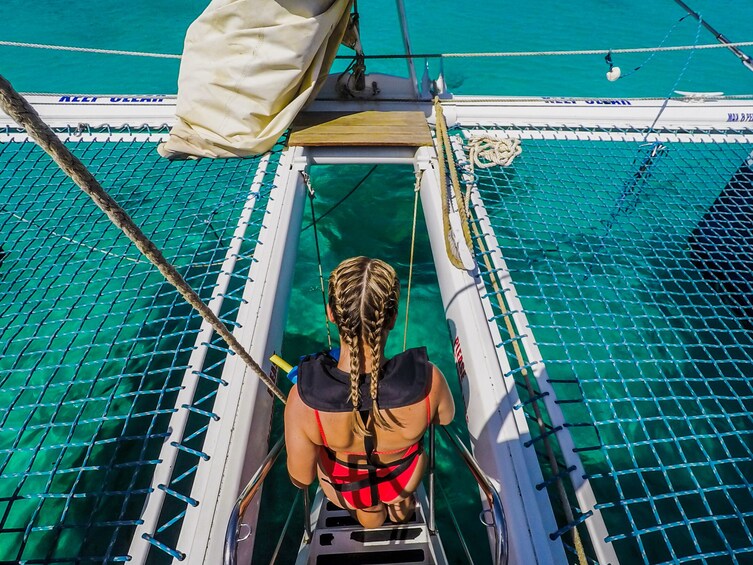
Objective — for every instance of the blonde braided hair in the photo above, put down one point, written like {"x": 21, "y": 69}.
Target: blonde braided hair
{"x": 363, "y": 297}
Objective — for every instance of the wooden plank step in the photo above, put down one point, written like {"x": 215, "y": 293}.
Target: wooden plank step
{"x": 369, "y": 128}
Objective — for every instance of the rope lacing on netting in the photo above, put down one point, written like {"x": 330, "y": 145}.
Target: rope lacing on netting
{"x": 488, "y": 152}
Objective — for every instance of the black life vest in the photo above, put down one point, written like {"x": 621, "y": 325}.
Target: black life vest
{"x": 322, "y": 386}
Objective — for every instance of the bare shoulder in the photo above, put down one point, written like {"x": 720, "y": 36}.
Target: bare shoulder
{"x": 440, "y": 397}
{"x": 294, "y": 402}
{"x": 295, "y": 405}
{"x": 438, "y": 381}
{"x": 302, "y": 451}
{"x": 297, "y": 414}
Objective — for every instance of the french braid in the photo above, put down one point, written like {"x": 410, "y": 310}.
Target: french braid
{"x": 381, "y": 300}
{"x": 363, "y": 297}
{"x": 344, "y": 301}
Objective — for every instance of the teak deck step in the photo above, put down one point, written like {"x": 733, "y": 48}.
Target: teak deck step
{"x": 370, "y": 128}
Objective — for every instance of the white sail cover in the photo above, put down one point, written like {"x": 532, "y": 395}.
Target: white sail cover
{"x": 248, "y": 68}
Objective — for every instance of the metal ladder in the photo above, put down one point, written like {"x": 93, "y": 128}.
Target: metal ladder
{"x": 337, "y": 538}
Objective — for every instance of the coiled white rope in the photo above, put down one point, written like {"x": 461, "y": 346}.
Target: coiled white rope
{"x": 485, "y": 152}
{"x": 415, "y": 56}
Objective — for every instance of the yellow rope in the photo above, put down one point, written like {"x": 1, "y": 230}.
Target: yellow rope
{"x": 22, "y": 112}
{"x": 444, "y": 147}
{"x": 416, "y": 190}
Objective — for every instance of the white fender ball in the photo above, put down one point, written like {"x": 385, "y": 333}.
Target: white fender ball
{"x": 613, "y": 74}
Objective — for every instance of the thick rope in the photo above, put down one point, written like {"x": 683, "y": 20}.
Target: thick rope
{"x": 444, "y": 150}
{"x": 486, "y": 152}
{"x": 21, "y": 111}
{"x": 89, "y": 50}
{"x": 416, "y": 191}
{"x": 401, "y": 56}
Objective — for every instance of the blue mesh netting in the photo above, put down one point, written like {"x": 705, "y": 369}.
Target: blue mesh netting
{"x": 634, "y": 268}
{"x": 94, "y": 343}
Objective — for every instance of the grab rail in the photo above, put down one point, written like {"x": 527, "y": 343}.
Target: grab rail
{"x": 495, "y": 504}
{"x": 252, "y": 488}
{"x": 245, "y": 498}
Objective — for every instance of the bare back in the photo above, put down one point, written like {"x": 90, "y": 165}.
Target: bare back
{"x": 407, "y": 425}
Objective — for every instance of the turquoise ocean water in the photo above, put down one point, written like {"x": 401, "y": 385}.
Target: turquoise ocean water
{"x": 440, "y": 27}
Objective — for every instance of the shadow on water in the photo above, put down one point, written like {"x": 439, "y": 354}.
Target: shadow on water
{"x": 136, "y": 388}
{"x": 94, "y": 408}
{"x": 641, "y": 297}
{"x": 720, "y": 245}
{"x": 664, "y": 360}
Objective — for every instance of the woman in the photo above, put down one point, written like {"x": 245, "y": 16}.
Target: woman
{"x": 358, "y": 422}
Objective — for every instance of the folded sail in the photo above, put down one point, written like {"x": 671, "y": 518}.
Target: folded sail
{"x": 248, "y": 67}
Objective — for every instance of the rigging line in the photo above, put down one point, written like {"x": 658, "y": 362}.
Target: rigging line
{"x": 677, "y": 81}
{"x": 416, "y": 190}
{"x": 312, "y": 194}
{"x": 19, "y": 109}
{"x": 458, "y": 532}
{"x": 89, "y": 50}
{"x": 746, "y": 59}
{"x": 729, "y": 45}
{"x": 557, "y": 53}
{"x": 285, "y": 528}
{"x": 344, "y": 198}
{"x": 653, "y": 54}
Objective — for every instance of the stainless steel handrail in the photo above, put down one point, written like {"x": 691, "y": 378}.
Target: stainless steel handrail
{"x": 495, "y": 504}
{"x": 245, "y": 498}
{"x": 432, "y": 525}
{"x": 307, "y": 532}
{"x": 252, "y": 488}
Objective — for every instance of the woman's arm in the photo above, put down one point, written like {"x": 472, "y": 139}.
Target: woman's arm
{"x": 302, "y": 452}
{"x": 442, "y": 398}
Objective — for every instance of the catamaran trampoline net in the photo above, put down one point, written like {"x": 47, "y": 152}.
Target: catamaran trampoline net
{"x": 94, "y": 343}
{"x": 633, "y": 265}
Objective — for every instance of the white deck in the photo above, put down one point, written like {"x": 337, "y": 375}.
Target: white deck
{"x": 79, "y": 111}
